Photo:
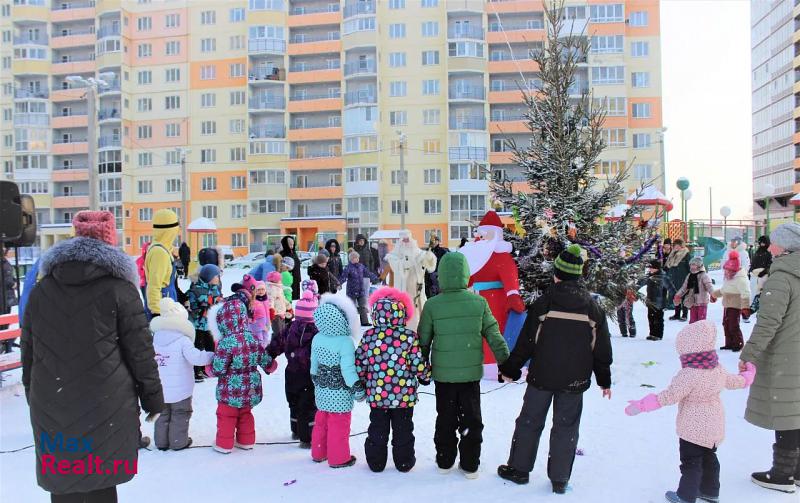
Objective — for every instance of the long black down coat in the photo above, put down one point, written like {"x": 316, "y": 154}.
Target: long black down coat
{"x": 87, "y": 361}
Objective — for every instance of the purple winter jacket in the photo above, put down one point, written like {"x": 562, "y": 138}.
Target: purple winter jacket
{"x": 354, "y": 275}
{"x": 295, "y": 343}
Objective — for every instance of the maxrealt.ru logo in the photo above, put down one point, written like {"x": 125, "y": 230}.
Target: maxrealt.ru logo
{"x": 90, "y": 464}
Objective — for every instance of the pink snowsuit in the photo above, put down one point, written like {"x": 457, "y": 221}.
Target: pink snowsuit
{"x": 260, "y": 322}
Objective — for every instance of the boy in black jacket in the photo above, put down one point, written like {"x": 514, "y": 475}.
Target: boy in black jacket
{"x": 567, "y": 336}
{"x": 656, "y": 300}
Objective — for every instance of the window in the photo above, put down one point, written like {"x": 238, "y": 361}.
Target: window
{"x": 173, "y": 157}
{"x": 237, "y": 98}
{"x": 607, "y": 44}
{"x": 172, "y": 130}
{"x": 430, "y": 29}
{"x": 460, "y": 231}
{"x": 640, "y": 110}
{"x": 431, "y": 146}
{"x": 609, "y": 168}
{"x": 359, "y": 24}
{"x": 209, "y": 240}
{"x": 397, "y": 30}
{"x": 236, "y": 126}
{"x": 144, "y": 23}
{"x": 173, "y": 75}
{"x": 268, "y": 206}
{"x": 268, "y": 176}
{"x": 615, "y": 107}
{"x": 208, "y": 184}
{"x": 173, "y": 47}
{"x": 467, "y": 171}
{"x": 432, "y": 176}
{"x": 145, "y": 159}
{"x": 640, "y": 49}
{"x": 396, "y": 178}
{"x": 431, "y": 116}
{"x": 144, "y": 104}
{"x": 236, "y": 70}
{"x": 362, "y": 174}
{"x": 145, "y": 214}
{"x": 236, "y": 42}
{"x": 429, "y": 3}
{"x": 208, "y": 17}
{"x": 208, "y": 45}
{"x": 238, "y": 239}
{"x": 397, "y": 4}
{"x": 397, "y": 59}
{"x": 430, "y": 58}
{"x": 173, "y": 185}
{"x": 466, "y": 207}
{"x": 642, "y": 171}
{"x": 608, "y": 13}
{"x": 608, "y": 75}
{"x": 577, "y": 12}
{"x": 208, "y": 155}
{"x": 145, "y": 50}
{"x": 432, "y": 206}
{"x": 398, "y": 118}
{"x": 238, "y": 182}
{"x": 398, "y": 88}
{"x": 144, "y": 77}
{"x": 465, "y": 49}
{"x": 396, "y": 207}
{"x": 360, "y": 144}
{"x": 208, "y": 100}
{"x": 640, "y": 79}
{"x": 172, "y": 102}
{"x": 266, "y": 5}
{"x": 145, "y": 132}
{"x": 209, "y": 211}
{"x": 236, "y": 15}
{"x": 172, "y": 21}
{"x": 641, "y": 140}
{"x": 638, "y": 19}
{"x": 145, "y": 186}
{"x": 208, "y": 72}
{"x": 430, "y": 87}
{"x": 208, "y": 127}
{"x": 238, "y": 211}
{"x": 237, "y": 154}
{"x": 614, "y": 137}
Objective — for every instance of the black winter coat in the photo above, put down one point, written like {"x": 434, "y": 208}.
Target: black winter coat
{"x": 335, "y": 260}
{"x": 432, "y": 278}
{"x": 656, "y": 290}
{"x": 87, "y": 362}
{"x": 9, "y": 285}
{"x": 365, "y": 254}
{"x": 325, "y": 282}
{"x": 563, "y": 351}
{"x": 762, "y": 259}
{"x": 291, "y": 252}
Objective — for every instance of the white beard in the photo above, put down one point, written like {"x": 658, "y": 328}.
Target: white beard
{"x": 479, "y": 252}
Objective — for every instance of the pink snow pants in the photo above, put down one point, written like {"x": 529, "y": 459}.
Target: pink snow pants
{"x": 231, "y": 420}
{"x": 330, "y": 438}
{"x": 697, "y": 313}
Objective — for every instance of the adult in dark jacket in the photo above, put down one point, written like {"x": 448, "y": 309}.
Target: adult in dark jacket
{"x": 185, "y": 254}
{"x": 432, "y": 278}
{"x": 656, "y": 299}
{"x": 334, "y": 260}
{"x": 320, "y": 272}
{"x": 676, "y": 267}
{"x": 567, "y": 336}
{"x": 762, "y": 258}
{"x": 289, "y": 249}
{"x": 365, "y": 254}
{"x": 87, "y": 361}
{"x": 10, "y": 294}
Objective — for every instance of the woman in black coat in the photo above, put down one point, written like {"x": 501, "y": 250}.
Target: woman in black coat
{"x": 289, "y": 249}
{"x": 334, "y": 259}
{"x": 87, "y": 362}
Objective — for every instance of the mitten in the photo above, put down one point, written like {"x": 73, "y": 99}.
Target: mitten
{"x": 513, "y": 374}
{"x": 424, "y": 382}
{"x": 749, "y": 374}
{"x": 746, "y": 313}
{"x": 646, "y": 404}
{"x": 272, "y": 367}
{"x": 358, "y": 391}
{"x": 713, "y": 300}
{"x": 515, "y": 303}
{"x": 676, "y": 300}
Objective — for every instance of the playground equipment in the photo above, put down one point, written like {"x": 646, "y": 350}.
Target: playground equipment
{"x": 713, "y": 250}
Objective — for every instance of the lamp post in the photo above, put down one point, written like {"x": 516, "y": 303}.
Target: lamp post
{"x": 767, "y": 190}
{"x": 184, "y": 214}
{"x": 402, "y": 181}
{"x": 683, "y": 184}
{"x": 725, "y": 211}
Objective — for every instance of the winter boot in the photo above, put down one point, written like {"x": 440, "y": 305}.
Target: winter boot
{"x": 709, "y": 499}
{"x": 188, "y": 444}
{"x": 349, "y": 462}
{"x": 559, "y": 487}
{"x": 781, "y": 476}
{"x": 244, "y": 447}
{"x": 467, "y": 474}
{"x": 305, "y": 445}
{"x": 673, "y": 497}
{"x": 222, "y": 450}
{"x": 513, "y": 475}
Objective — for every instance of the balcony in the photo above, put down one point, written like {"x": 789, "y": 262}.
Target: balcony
{"x": 22, "y": 94}
{"x": 465, "y": 32}
{"x": 314, "y": 103}
{"x": 113, "y": 87}
{"x": 62, "y": 95}
{"x": 70, "y": 121}
{"x": 313, "y": 214}
{"x": 261, "y": 74}
{"x": 508, "y": 115}
{"x": 108, "y": 114}
{"x": 368, "y": 97}
{"x": 68, "y": 148}
{"x": 108, "y": 31}
{"x": 31, "y": 120}
{"x": 109, "y": 142}
{"x": 73, "y": 38}
{"x": 72, "y": 11}
{"x": 316, "y": 161}
{"x": 72, "y": 201}
{"x": 466, "y": 153}
{"x": 455, "y": 6}
{"x": 314, "y": 73}
{"x": 77, "y": 65}
{"x": 311, "y": 67}
{"x": 360, "y": 68}
{"x": 316, "y": 132}
{"x": 267, "y": 103}
{"x": 315, "y": 192}
{"x": 513, "y": 66}
{"x": 302, "y": 11}
{"x": 70, "y": 175}
{"x": 266, "y": 46}
{"x": 265, "y": 132}
{"x": 359, "y": 8}
{"x": 315, "y": 16}
{"x": 474, "y": 122}
{"x": 476, "y": 93}
{"x": 315, "y": 44}
{"x": 302, "y": 38}
{"x": 26, "y": 40}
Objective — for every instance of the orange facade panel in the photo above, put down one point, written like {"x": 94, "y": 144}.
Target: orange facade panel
{"x": 315, "y": 134}
{"x": 796, "y": 163}
{"x": 327, "y": 104}
{"x": 316, "y": 163}
{"x": 307, "y": 230}
{"x": 221, "y": 72}
{"x": 501, "y": 157}
{"x": 315, "y": 19}
{"x": 70, "y": 175}
{"x": 321, "y": 47}
{"x": 314, "y": 76}
{"x": 796, "y": 138}
{"x": 516, "y": 96}
{"x": 615, "y": 122}
{"x": 507, "y": 127}
{"x": 73, "y": 41}
{"x": 515, "y": 6}
{"x": 69, "y": 148}
{"x": 514, "y": 36}
{"x": 73, "y": 67}
{"x": 63, "y": 15}
{"x": 653, "y": 19}
{"x": 521, "y": 65}
{"x": 70, "y": 201}
{"x": 654, "y": 120}
{"x": 597, "y": 29}
{"x": 71, "y": 121}
{"x": 219, "y": 188}
{"x": 316, "y": 193}
{"x": 61, "y": 95}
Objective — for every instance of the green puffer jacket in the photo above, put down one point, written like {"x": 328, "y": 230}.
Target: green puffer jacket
{"x": 453, "y": 325}
{"x": 774, "y": 347}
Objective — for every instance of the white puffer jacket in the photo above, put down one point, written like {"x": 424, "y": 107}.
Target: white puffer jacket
{"x": 176, "y": 356}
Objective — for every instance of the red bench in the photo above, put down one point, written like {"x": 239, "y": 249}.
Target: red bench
{"x": 10, "y": 333}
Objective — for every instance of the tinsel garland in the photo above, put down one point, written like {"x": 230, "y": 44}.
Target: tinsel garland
{"x": 632, "y": 259}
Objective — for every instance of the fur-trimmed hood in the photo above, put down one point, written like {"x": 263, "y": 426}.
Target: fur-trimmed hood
{"x": 337, "y": 316}
{"x": 94, "y": 258}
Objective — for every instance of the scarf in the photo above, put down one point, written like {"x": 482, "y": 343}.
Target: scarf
{"x": 703, "y": 360}
{"x": 692, "y": 283}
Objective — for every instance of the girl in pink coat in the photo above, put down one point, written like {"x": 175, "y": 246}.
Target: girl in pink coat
{"x": 701, "y": 418}
{"x": 259, "y": 310}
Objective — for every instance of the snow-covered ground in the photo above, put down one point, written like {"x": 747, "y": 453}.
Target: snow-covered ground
{"x": 625, "y": 459}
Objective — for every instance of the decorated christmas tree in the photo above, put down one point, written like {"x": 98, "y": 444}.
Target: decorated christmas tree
{"x": 567, "y": 200}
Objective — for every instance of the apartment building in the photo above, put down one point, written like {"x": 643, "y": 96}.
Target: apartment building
{"x": 776, "y": 111}
{"x": 291, "y": 116}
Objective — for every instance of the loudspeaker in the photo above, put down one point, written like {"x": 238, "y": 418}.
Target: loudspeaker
{"x": 28, "y": 235}
{"x": 10, "y": 211}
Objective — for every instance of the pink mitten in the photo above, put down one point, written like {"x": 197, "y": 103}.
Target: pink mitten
{"x": 749, "y": 374}
{"x": 646, "y": 404}
{"x": 272, "y": 367}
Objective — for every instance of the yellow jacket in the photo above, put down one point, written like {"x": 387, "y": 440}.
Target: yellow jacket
{"x": 158, "y": 261}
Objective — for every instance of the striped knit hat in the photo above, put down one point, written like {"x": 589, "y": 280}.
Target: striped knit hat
{"x": 569, "y": 264}
{"x": 304, "y": 308}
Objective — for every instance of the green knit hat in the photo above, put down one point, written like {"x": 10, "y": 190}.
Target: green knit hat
{"x": 569, "y": 264}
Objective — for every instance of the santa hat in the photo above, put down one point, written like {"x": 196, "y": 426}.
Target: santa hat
{"x": 491, "y": 219}
{"x": 173, "y": 317}
{"x": 304, "y": 309}
{"x": 98, "y": 225}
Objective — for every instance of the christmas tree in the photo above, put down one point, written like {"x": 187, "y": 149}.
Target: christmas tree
{"x": 567, "y": 201}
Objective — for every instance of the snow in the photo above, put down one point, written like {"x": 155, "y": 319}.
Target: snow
{"x": 625, "y": 459}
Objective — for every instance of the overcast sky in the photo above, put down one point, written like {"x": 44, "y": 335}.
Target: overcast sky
{"x": 705, "y": 48}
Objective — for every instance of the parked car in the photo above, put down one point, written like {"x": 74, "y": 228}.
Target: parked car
{"x": 248, "y": 261}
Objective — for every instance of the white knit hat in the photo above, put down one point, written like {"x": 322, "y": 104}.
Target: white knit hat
{"x": 173, "y": 317}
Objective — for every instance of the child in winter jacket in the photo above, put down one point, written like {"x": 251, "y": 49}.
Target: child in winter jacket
{"x": 310, "y": 284}
{"x": 260, "y": 310}
{"x": 701, "y": 418}
{"x": 354, "y": 274}
{"x": 696, "y": 291}
{"x": 336, "y": 383}
{"x": 204, "y": 293}
{"x": 390, "y": 362}
{"x": 295, "y": 343}
{"x": 656, "y": 300}
{"x": 287, "y": 279}
{"x": 173, "y": 341}
{"x": 319, "y": 272}
{"x": 627, "y": 325}
{"x": 236, "y": 362}
{"x": 735, "y": 294}
{"x": 277, "y": 299}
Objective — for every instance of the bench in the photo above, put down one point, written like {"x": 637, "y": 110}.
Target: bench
{"x": 10, "y": 361}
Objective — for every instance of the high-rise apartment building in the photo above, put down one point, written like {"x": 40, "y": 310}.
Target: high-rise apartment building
{"x": 776, "y": 107}
{"x": 290, "y": 116}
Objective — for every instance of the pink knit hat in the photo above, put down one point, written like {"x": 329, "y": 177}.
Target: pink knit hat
{"x": 732, "y": 265}
{"x": 274, "y": 277}
{"x": 249, "y": 283}
{"x": 260, "y": 284}
{"x": 98, "y": 225}
{"x": 305, "y": 307}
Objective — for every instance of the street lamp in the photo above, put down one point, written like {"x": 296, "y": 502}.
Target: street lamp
{"x": 92, "y": 85}
{"x": 683, "y": 184}
{"x": 767, "y": 190}
{"x": 725, "y": 211}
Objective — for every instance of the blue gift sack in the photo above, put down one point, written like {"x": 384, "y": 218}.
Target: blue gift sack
{"x": 514, "y": 324}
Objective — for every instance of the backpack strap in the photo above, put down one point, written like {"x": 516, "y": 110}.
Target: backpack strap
{"x": 562, "y": 315}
